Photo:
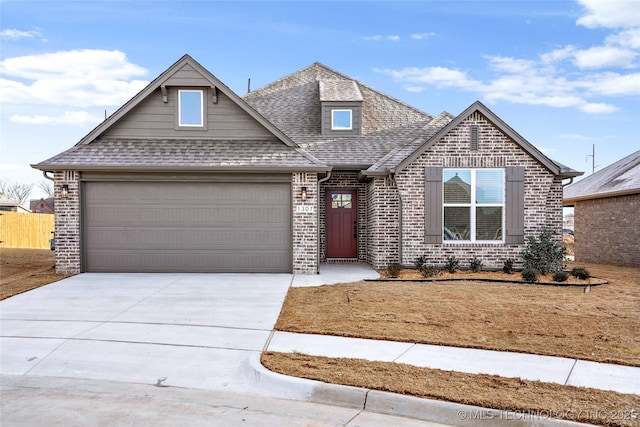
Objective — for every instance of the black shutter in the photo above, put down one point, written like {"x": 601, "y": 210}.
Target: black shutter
{"x": 515, "y": 205}
{"x": 433, "y": 205}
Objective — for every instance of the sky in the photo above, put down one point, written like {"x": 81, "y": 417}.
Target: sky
{"x": 564, "y": 74}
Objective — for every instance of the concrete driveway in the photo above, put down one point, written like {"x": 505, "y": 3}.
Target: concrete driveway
{"x": 195, "y": 330}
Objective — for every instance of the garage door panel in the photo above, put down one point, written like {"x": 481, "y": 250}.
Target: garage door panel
{"x": 203, "y": 227}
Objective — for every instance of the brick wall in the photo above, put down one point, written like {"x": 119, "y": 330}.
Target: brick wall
{"x": 383, "y": 222}
{"x": 608, "y": 230}
{"x": 67, "y": 221}
{"x": 305, "y": 224}
{"x": 543, "y": 194}
{"x": 345, "y": 180}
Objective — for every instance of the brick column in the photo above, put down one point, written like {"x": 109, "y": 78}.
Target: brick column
{"x": 67, "y": 220}
{"x": 305, "y": 223}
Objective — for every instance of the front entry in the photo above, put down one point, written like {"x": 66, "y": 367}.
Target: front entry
{"x": 342, "y": 224}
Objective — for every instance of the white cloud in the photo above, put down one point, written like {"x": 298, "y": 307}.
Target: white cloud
{"x": 604, "y": 56}
{"x": 612, "y": 84}
{"x": 421, "y": 36}
{"x": 598, "y": 108}
{"x": 68, "y": 118}
{"x": 13, "y": 34}
{"x": 610, "y": 13}
{"x": 78, "y": 78}
{"x": 438, "y": 76}
{"x": 378, "y": 37}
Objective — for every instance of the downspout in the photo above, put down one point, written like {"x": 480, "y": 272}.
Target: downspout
{"x": 568, "y": 183}
{"x": 393, "y": 180}
{"x": 47, "y": 176}
{"x": 320, "y": 181}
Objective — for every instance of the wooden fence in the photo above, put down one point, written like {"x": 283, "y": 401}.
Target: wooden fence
{"x": 25, "y": 230}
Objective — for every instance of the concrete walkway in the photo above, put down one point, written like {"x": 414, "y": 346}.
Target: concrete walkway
{"x": 206, "y": 332}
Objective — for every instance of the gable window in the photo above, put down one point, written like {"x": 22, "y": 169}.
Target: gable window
{"x": 191, "y": 108}
{"x": 341, "y": 120}
{"x": 473, "y": 205}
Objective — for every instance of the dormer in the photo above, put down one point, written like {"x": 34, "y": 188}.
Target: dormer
{"x": 341, "y": 106}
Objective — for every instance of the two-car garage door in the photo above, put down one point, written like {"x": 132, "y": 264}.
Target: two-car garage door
{"x": 138, "y": 226}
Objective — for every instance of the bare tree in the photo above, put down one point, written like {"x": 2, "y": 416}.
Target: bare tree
{"x": 16, "y": 191}
{"x": 46, "y": 187}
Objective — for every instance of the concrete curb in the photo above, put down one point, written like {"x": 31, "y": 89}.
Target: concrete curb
{"x": 436, "y": 411}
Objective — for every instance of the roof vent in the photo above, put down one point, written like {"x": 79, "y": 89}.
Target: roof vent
{"x": 474, "y": 138}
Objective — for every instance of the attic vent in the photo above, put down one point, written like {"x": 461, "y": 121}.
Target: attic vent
{"x": 474, "y": 138}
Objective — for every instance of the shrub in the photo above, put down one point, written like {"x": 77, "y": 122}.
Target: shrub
{"x": 508, "y": 266}
{"x": 530, "y": 275}
{"x": 475, "y": 265}
{"x": 560, "y": 276}
{"x": 544, "y": 254}
{"x": 452, "y": 264}
{"x": 393, "y": 270}
{"x": 429, "y": 271}
{"x": 420, "y": 262}
{"x": 580, "y": 272}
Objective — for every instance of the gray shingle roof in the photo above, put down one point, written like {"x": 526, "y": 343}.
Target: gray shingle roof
{"x": 339, "y": 90}
{"x": 293, "y": 105}
{"x": 621, "y": 177}
{"x": 196, "y": 154}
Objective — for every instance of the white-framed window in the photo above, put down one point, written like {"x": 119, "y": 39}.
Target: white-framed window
{"x": 341, "y": 120}
{"x": 191, "y": 108}
{"x": 473, "y": 205}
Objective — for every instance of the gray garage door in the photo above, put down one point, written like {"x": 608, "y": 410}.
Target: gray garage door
{"x": 187, "y": 227}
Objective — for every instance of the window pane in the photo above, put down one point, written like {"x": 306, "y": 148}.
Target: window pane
{"x": 457, "y": 186}
{"x": 341, "y": 201}
{"x": 190, "y": 108}
{"x": 457, "y": 223}
{"x": 489, "y": 223}
{"x": 340, "y": 119}
{"x": 489, "y": 186}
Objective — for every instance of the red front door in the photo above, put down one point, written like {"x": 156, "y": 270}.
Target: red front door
{"x": 342, "y": 216}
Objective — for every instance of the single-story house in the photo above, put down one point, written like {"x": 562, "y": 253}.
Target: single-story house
{"x": 607, "y": 213}
{"x": 314, "y": 167}
{"x": 7, "y": 204}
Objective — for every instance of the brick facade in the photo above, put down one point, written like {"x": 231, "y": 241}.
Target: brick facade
{"x": 607, "y": 230}
{"x": 383, "y": 223}
{"x": 67, "y": 220}
{"x": 345, "y": 180}
{"x": 305, "y": 223}
{"x": 543, "y": 194}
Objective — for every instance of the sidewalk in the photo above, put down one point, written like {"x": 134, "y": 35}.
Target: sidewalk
{"x": 560, "y": 370}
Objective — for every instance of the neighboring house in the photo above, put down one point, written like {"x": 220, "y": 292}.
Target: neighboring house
{"x": 7, "y": 204}
{"x": 46, "y": 206}
{"x": 315, "y": 167}
{"x": 607, "y": 213}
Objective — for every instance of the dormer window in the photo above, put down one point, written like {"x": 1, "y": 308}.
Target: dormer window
{"x": 190, "y": 108}
{"x": 341, "y": 120}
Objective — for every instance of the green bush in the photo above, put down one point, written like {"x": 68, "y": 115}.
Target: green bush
{"x": 544, "y": 254}
{"x": 429, "y": 271}
{"x": 452, "y": 264}
{"x": 420, "y": 262}
{"x": 393, "y": 270}
{"x": 581, "y": 273}
{"x": 560, "y": 276}
{"x": 475, "y": 265}
{"x": 508, "y": 266}
{"x": 530, "y": 275}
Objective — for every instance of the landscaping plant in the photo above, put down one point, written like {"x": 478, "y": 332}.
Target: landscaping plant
{"x": 393, "y": 270}
{"x": 560, "y": 276}
{"x": 429, "y": 271}
{"x": 530, "y": 275}
{"x": 452, "y": 264}
{"x": 580, "y": 272}
{"x": 544, "y": 254}
{"x": 508, "y": 266}
{"x": 475, "y": 265}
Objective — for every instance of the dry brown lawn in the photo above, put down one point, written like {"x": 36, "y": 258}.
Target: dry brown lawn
{"x": 24, "y": 269}
{"x": 601, "y": 325}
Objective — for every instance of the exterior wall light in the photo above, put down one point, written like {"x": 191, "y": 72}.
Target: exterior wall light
{"x": 64, "y": 191}
{"x": 304, "y": 194}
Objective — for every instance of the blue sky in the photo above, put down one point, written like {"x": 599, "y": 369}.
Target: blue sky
{"x": 564, "y": 74}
